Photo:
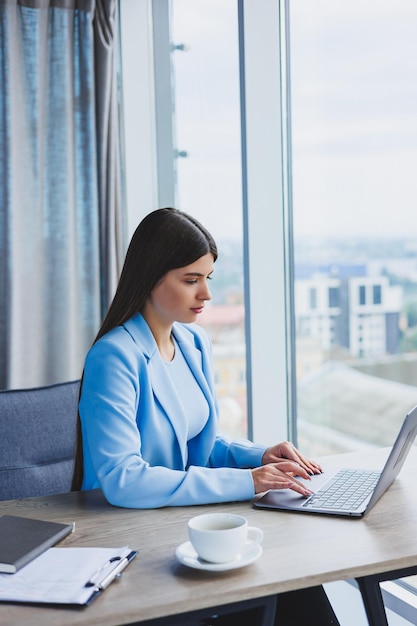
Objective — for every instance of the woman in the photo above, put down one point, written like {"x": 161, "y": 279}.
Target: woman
{"x": 149, "y": 433}
{"x": 148, "y": 406}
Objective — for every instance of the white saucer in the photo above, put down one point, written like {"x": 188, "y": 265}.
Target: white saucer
{"x": 186, "y": 554}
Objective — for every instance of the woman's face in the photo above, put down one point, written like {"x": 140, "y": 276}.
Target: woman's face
{"x": 181, "y": 294}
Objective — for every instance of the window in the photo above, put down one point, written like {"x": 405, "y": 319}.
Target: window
{"x": 206, "y": 123}
{"x": 333, "y": 297}
{"x": 213, "y": 45}
{"x": 354, "y": 134}
{"x": 313, "y": 298}
{"x": 167, "y": 75}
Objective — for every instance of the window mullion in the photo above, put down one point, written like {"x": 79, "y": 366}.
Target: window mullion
{"x": 265, "y": 161}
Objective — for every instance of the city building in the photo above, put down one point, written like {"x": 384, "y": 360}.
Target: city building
{"x": 344, "y": 307}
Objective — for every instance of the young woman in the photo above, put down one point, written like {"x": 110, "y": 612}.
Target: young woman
{"x": 148, "y": 431}
{"x": 148, "y": 407}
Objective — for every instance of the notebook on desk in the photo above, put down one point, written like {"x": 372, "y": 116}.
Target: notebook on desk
{"x": 351, "y": 492}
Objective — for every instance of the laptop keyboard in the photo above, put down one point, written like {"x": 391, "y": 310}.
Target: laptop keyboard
{"x": 346, "y": 491}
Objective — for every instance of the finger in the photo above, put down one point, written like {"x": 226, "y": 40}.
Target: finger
{"x": 309, "y": 466}
{"x": 291, "y": 452}
{"x": 292, "y": 468}
{"x": 302, "y": 489}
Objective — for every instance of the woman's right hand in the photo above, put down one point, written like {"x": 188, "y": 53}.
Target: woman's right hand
{"x": 280, "y": 475}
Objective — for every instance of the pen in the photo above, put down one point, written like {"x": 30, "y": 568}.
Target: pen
{"x": 114, "y": 573}
{"x": 93, "y": 580}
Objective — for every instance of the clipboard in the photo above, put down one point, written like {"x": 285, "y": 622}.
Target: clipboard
{"x": 66, "y": 576}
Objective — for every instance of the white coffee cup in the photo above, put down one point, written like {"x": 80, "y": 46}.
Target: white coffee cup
{"x": 221, "y": 537}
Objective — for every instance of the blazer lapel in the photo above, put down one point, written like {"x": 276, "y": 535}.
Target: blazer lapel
{"x": 193, "y": 356}
{"x": 163, "y": 389}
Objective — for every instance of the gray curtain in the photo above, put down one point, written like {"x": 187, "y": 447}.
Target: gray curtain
{"x": 61, "y": 215}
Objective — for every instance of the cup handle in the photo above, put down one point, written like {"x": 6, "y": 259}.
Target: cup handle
{"x": 255, "y": 535}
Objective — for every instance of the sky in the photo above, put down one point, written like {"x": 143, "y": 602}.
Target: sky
{"x": 353, "y": 119}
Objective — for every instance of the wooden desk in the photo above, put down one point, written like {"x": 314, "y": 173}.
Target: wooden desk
{"x": 299, "y": 551}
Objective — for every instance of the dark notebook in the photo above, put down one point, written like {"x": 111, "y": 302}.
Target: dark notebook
{"x": 22, "y": 539}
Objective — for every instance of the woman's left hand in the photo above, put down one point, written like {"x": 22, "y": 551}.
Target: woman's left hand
{"x": 286, "y": 450}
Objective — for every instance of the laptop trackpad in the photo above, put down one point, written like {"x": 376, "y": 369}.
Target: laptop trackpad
{"x": 289, "y": 497}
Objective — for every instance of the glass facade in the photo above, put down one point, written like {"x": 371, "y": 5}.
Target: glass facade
{"x": 354, "y": 139}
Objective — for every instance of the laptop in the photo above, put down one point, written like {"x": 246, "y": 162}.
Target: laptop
{"x": 347, "y": 491}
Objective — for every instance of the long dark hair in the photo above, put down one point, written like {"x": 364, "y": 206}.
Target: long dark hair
{"x": 165, "y": 239}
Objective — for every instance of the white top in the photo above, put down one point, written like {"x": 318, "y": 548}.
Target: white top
{"x": 189, "y": 392}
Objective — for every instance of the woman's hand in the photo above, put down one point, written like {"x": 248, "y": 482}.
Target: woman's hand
{"x": 280, "y": 476}
{"x": 287, "y": 450}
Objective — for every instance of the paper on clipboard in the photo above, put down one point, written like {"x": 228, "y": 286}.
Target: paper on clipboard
{"x": 65, "y": 575}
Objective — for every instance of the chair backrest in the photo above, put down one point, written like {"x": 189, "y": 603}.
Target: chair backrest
{"x": 37, "y": 440}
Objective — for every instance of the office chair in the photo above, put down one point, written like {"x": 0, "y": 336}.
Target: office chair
{"x": 37, "y": 440}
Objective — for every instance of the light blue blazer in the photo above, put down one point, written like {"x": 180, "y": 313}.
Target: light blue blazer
{"x": 140, "y": 457}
